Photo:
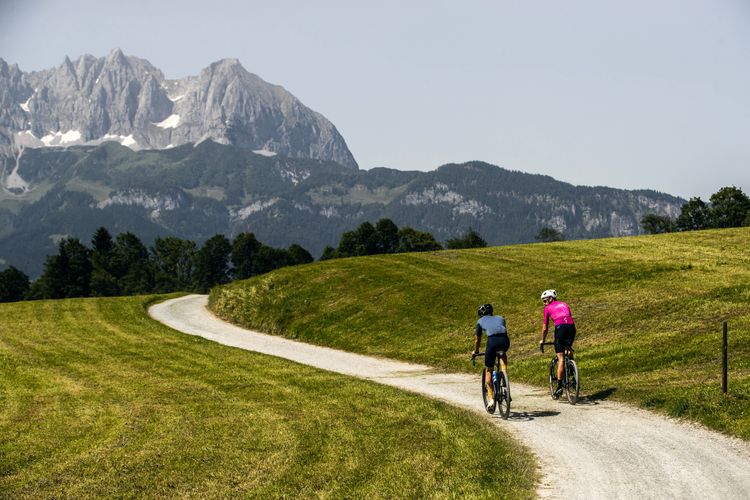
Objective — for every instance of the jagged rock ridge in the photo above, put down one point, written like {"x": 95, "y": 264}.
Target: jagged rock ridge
{"x": 128, "y": 100}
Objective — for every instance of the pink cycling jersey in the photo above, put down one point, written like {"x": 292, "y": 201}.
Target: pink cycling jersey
{"x": 559, "y": 312}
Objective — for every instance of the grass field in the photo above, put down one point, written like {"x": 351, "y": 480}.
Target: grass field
{"x": 98, "y": 400}
{"x": 648, "y": 311}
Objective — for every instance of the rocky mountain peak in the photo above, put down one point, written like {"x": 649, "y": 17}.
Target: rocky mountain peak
{"x": 227, "y": 64}
{"x": 116, "y": 56}
{"x": 128, "y": 100}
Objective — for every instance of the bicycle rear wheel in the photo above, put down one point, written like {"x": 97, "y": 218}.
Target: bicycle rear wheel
{"x": 503, "y": 397}
{"x": 553, "y": 377}
{"x": 572, "y": 387}
{"x": 489, "y": 405}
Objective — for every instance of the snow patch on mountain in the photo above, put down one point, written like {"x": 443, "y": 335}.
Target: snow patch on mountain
{"x": 62, "y": 138}
{"x": 25, "y": 105}
{"x": 170, "y": 122}
{"x": 264, "y": 152}
{"x": 124, "y": 140}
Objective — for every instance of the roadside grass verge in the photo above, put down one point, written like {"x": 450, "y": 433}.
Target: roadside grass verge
{"x": 98, "y": 400}
{"x": 648, "y": 311}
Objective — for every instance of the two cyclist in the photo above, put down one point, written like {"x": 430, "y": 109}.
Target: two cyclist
{"x": 497, "y": 336}
{"x": 497, "y": 341}
{"x": 565, "y": 331}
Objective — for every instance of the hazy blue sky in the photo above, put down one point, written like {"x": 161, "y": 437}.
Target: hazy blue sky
{"x": 652, "y": 94}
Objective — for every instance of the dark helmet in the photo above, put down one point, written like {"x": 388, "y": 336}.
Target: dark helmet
{"x": 485, "y": 310}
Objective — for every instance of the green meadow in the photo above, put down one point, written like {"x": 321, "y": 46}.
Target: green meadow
{"x": 99, "y": 400}
{"x": 648, "y": 310}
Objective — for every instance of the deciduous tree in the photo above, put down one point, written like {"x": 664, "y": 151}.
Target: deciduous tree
{"x": 471, "y": 239}
{"x": 548, "y": 234}
{"x": 13, "y": 285}
{"x": 729, "y": 207}
{"x": 411, "y": 240}
{"x": 386, "y": 235}
{"x": 657, "y": 224}
{"x": 694, "y": 215}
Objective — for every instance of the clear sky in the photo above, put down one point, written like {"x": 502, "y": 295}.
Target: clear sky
{"x": 632, "y": 94}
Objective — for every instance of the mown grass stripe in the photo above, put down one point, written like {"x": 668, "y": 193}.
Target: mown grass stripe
{"x": 98, "y": 400}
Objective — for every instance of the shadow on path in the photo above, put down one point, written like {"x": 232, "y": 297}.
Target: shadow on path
{"x": 527, "y": 416}
{"x": 593, "y": 399}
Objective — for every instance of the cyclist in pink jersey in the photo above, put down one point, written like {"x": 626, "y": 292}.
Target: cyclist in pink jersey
{"x": 565, "y": 330}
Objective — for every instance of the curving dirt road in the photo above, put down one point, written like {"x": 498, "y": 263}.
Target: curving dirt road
{"x": 601, "y": 449}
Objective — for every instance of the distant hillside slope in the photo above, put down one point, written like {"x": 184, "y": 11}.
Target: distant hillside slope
{"x": 197, "y": 191}
{"x": 648, "y": 309}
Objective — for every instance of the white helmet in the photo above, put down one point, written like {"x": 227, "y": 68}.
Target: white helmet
{"x": 549, "y": 293}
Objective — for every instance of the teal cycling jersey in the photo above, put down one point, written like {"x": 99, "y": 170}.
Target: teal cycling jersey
{"x": 493, "y": 325}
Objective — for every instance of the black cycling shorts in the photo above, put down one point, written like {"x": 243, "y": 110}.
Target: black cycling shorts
{"x": 495, "y": 343}
{"x": 565, "y": 335}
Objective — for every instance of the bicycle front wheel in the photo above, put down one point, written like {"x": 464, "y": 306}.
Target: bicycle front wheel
{"x": 503, "y": 398}
{"x": 572, "y": 387}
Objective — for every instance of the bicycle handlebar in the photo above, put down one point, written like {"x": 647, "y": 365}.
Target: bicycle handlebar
{"x": 474, "y": 356}
{"x": 542, "y": 344}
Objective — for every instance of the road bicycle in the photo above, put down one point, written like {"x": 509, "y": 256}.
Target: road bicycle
{"x": 500, "y": 387}
{"x": 571, "y": 382}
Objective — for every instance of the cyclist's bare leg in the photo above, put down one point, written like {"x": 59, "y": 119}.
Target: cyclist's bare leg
{"x": 488, "y": 381}
{"x": 560, "y": 365}
{"x": 504, "y": 363}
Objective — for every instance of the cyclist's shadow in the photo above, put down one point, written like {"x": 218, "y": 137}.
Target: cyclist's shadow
{"x": 593, "y": 399}
{"x": 526, "y": 416}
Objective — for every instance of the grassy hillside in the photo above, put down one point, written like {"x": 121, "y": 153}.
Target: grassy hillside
{"x": 648, "y": 309}
{"x": 97, "y": 399}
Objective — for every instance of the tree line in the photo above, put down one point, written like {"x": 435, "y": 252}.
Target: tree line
{"x": 728, "y": 207}
{"x": 386, "y": 237}
{"x": 125, "y": 266}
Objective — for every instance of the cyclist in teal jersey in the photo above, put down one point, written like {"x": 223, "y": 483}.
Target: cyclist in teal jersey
{"x": 497, "y": 340}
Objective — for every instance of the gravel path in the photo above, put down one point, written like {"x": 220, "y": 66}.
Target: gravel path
{"x": 601, "y": 449}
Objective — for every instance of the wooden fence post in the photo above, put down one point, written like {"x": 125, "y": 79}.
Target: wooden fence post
{"x": 724, "y": 358}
